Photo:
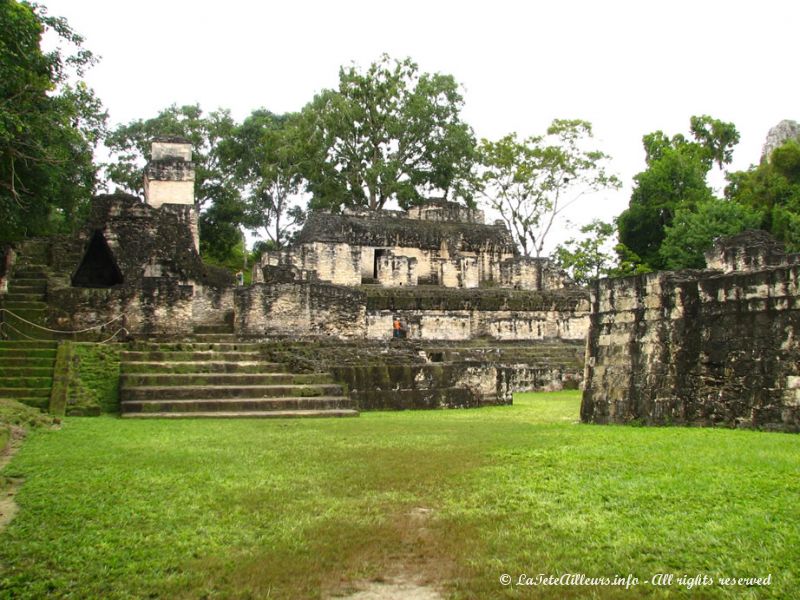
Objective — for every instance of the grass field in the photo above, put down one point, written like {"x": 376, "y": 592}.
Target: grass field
{"x": 452, "y": 499}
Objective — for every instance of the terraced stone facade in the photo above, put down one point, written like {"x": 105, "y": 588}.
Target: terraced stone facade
{"x": 710, "y": 347}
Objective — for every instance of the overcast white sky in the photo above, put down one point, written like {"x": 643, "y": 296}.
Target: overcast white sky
{"x": 628, "y": 67}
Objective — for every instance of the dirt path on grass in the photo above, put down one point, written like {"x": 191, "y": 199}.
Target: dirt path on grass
{"x": 415, "y": 569}
{"x": 9, "y": 485}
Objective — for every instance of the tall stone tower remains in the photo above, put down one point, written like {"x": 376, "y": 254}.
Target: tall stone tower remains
{"x": 169, "y": 178}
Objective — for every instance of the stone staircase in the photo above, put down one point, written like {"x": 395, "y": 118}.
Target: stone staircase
{"x": 27, "y": 290}
{"x": 26, "y": 365}
{"x": 26, "y": 371}
{"x": 214, "y": 375}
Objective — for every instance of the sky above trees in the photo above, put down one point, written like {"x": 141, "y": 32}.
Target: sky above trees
{"x": 629, "y": 68}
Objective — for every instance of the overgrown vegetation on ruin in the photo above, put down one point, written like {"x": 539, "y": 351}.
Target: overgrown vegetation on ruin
{"x": 295, "y": 509}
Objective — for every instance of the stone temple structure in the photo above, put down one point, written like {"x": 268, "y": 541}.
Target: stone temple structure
{"x": 440, "y": 244}
{"x": 480, "y": 322}
{"x": 702, "y": 347}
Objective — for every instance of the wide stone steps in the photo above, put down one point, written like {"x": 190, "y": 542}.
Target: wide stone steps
{"x": 21, "y": 356}
{"x": 21, "y": 368}
{"x": 210, "y": 392}
{"x": 27, "y": 382}
{"x": 195, "y": 405}
{"x": 224, "y": 379}
{"x": 26, "y": 371}
{"x": 200, "y": 366}
{"x": 215, "y": 375}
{"x": 260, "y": 414}
{"x": 187, "y": 356}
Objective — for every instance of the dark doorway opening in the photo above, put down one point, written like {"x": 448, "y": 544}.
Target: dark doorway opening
{"x": 98, "y": 269}
{"x": 378, "y": 254}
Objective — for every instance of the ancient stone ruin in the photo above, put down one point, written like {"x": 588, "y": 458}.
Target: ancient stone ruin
{"x": 702, "y": 347}
{"x": 479, "y": 321}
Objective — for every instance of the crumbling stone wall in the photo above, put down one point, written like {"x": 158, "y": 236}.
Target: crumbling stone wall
{"x": 470, "y": 324}
{"x": 396, "y": 271}
{"x": 299, "y": 310}
{"x": 698, "y": 347}
{"x": 397, "y": 376}
{"x": 526, "y": 273}
{"x": 165, "y": 287}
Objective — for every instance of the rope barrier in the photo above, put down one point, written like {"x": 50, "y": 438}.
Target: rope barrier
{"x": 42, "y": 327}
{"x": 18, "y": 332}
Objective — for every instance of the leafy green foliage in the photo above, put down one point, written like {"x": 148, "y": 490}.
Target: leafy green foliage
{"x": 265, "y": 154}
{"x": 216, "y": 195}
{"x": 773, "y": 188}
{"x": 306, "y": 508}
{"x": 675, "y": 177}
{"x": 49, "y": 126}
{"x": 693, "y": 231}
{"x": 589, "y": 258}
{"x": 389, "y": 133}
{"x": 530, "y": 182}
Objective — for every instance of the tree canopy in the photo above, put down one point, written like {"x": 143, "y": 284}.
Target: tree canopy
{"x": 530, "y": 182}
{"x": 49, "y": 125}
{"x": 693, "y": 231}
{"x": 773, "y": 189}
{"x": 387, "y": 133}
{"x": 264, "y": 154}
{"x": 677, "y": 169}
{"x": 588, "y": 258}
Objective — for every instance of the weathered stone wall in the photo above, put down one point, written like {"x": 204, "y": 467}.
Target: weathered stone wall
{"x": 750, "y": 250}
{"x": 170, "y": 147}
{"x": 526, "y": 273}
{"x": 300, "y": 310}
{"x": 161, "y": 192}
{"x": 339, "y": 264}
{"x": 158, "y": 306}
{"x": 446, "y": 211}
{"x": 696, "y": 347}
{"x": 397, "y": 271}
{"x": 441, "y": 232}
{"x": 777, "y": 136}
{"x": 212, "y": 305}
{"x": 408, "y": 375}
{"x": 454, "y": 314}
{"x": 470, "y": 324}
{"x": 170, "y": 174}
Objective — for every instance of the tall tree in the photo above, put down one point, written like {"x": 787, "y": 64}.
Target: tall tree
{"x": 531, "y": 182}
{"x": 389, "y": 133}
{"x": 676, "y": 173}
{"x": 693, "y": 231}
{"x": 265, "y": 154}
{"x": 773, "y": 188}
{"x": 588, "y": 258}
{"x": 49, "y": 126}
{"x": 216, "y": 194}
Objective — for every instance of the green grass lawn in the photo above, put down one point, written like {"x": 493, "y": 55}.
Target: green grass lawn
{"x": 300, "y": 509}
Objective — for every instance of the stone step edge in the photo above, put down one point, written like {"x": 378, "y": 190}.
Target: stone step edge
{"x": 268, "y": 400}
{"x": 275, "y": 414}
{"x": 155, "y": 388}
{"x": 126, "y": 376}
{"x": 241, "y": 363}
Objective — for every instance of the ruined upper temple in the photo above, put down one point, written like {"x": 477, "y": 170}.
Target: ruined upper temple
{"x": 441, "y": 243}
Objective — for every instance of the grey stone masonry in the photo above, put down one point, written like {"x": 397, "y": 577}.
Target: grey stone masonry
{"x": 708, "y": 347}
